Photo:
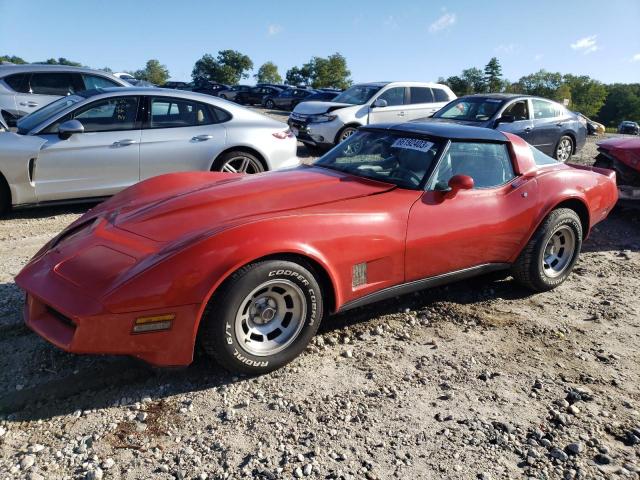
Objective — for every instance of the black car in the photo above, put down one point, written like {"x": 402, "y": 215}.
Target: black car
{"x": 629, "y": 128}
{"x": 286, "y": 99}
{"x": 231, "y": 92}
{"x": 256, "y": 95}
{"x": 178, "y": 85}
{"x": 210, "y": 88}
{"x": 322, "y": 96}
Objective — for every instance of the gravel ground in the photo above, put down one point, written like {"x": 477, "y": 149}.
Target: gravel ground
{"x": 479, "y": 379}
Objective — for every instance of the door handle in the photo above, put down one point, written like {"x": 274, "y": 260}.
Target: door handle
{"x": 124, "y": 143}
{"x": 401, "y": 114}
{"x": 201, "y": 138}
{"x": 559, "y": 124}
{"x": 527, "y": 130}
{"x": 29, "y": 104}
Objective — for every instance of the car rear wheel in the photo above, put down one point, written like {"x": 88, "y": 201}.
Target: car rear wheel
{"x": 263, "y": 317}
{"x": 270, "y": 104}
{"x": 564, "y": 149}
{"x": 5, "y": 196}
{"x": 549, "y": 257}
{"x": 238, "y": 162}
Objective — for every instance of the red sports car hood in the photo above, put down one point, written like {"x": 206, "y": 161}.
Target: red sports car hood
{"x": 626, "y": 150}
{"x": 226, "y": 200}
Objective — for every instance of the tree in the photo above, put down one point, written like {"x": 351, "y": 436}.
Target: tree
{"x": 622, "y": 103}
{"x": 153, "y": 72}
{"x": 268, "y": 73}
{"x": 542, "y": 83}
{"x": 229, "y": 67}
{"x": 331, "y": 72}
{"x": 12, "y": 59}
{"x": 493, "y": 75}
{"x": 61, "y": 61}
{"x": 587, "y": 95}
{"x": 299, "y": 76}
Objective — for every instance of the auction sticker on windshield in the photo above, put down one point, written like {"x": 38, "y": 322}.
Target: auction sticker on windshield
{"x": 413, "y": 144}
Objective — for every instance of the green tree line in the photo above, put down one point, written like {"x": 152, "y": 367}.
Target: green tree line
{"x": 608, "y": 104}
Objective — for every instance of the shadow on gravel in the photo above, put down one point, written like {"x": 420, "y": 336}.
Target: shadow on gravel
{"x": 620, "y": 231}
{"x": 48, "y": 211}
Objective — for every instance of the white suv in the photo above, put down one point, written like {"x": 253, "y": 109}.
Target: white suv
{"x": 26, "y": 88}
{"x": 324, "y": 124}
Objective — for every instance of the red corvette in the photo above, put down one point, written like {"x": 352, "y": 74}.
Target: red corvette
{"x": 250, "y": 265}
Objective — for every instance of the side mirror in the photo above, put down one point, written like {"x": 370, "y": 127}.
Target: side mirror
{"x": 505, "y": 119}
{"x": 68, "y": 128}
{"x": 379, "y": 103}
{"x": 456, "y": 183}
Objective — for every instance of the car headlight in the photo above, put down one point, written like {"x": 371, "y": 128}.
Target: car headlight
{"x": 321, "y": 118}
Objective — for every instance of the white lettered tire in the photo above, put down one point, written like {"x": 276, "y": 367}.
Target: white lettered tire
{"x": 262, "y": 317}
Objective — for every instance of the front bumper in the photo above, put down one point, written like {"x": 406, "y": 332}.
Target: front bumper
{"x": 317, "y": 134}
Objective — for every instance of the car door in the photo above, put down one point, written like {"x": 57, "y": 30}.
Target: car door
{"x": 394, "y": 111}
{"x": 283, "y": 99}
{"x": 99, "y": 162}
{"x": 180, "y": 135}
{"x": 484, "y": 225}
{"x": 420, "y": 103}
{"x": 547, "y": 125}
{"x": 45, "y": 87}
{"x": 522, "y": 124}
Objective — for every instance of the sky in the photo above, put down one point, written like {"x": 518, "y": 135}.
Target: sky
{"x": 382, "y": 40}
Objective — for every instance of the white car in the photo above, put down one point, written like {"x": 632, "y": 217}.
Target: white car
{"x": 324, "y": 124}
{"x": 95, "y": 143}
{"x": 26, "y": 88}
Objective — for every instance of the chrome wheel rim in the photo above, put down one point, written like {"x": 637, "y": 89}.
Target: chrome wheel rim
{"x": 347, "y": 133}
{"x": 242, "y": 164}
{"x": 559, "y": 251}
{"x": 270, "y": 318}
{"x": 564, "y": 150}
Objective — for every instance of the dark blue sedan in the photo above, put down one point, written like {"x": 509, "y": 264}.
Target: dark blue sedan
{"x": 546, "y": 125}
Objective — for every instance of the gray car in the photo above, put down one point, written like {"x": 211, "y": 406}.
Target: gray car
{"x": 95, "y": 143}
{"x": 25, "y": 88}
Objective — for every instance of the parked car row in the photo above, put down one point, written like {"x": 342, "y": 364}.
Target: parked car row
{"x": 628, "y": 127}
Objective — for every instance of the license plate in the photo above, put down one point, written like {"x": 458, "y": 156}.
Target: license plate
{"x": 295, "y": 131}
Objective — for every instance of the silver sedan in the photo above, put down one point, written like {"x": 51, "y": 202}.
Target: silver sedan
{"x": 95, "y": 143}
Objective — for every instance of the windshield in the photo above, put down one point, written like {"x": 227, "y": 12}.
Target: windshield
{"x": 400, "y": 159}
{"x": 470, "y": 109}
{"x": 357, "y": 95}
{"x": 28, "y": 122}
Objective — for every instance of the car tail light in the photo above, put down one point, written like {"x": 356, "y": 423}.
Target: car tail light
{"x": 284, "y": 134}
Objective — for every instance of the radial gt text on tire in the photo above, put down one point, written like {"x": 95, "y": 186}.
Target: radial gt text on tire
{"x": 238, "y": 161}
{"x": 547, "y": 260}
{"x": 262, "y": 317}
{"x": 564, "y": 149}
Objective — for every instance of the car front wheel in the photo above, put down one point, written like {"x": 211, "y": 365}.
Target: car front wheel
{"x": 549, "y": 257}
{"x": 263, "y": 317}
{"x": 346, "y": 133}
{"x": 270, "y": 105}
{"x": 564, "y": 149}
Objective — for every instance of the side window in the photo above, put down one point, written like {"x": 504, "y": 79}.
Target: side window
{"x": 421, "y": 95}
{"x": 109, "y": 115}
{"x": 53, "y": 83}
{"x": 519, "y": 110}
{"x": 94, "y": 81}
{"x": 19, "y": 82}
{"x": 440, "y": 95}
{"x": 174, "y": 112}
{"x": 489, "y": 164}
{"x": 543, "y": 109}
{"x": 393, "y": 96}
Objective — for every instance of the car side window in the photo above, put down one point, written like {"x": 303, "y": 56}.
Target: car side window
{"x": 543, "y": 109}
{"x": 420, "y": 95}
{"x": 175, "y": 112}
{"x": 393, "y": 96}
{"x": 108, "y": 115}
{"x": 19, "y": 82}
{"x": 519, "y": 110}
{"x": 52, "y": 83}
{"x": 94, "y": 81}
{"x": 440, "y": 95}
{"x": 489, "y": 164}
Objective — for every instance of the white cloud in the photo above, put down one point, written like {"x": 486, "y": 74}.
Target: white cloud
{"x": 506, "y": 49}
{"x": 586, "y": 45}
{"x": 445, "y": 21}
{"x": 636, "y": 58}
{"x": 274, "y": 29}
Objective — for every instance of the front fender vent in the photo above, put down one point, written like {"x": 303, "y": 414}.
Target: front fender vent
{"x": 359, "y": 274}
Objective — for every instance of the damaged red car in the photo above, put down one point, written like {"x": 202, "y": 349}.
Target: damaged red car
{"x": 250, "y": 265}
{"x": 623, "y": 156}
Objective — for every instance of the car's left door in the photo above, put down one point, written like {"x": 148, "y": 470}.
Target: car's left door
{"x": 98, "y": 162}
{"x": 547, "y": 125}
{"x": 484, "y": 225}
{"x": 394, "y": 111}
{"x": 180, "y": 134}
